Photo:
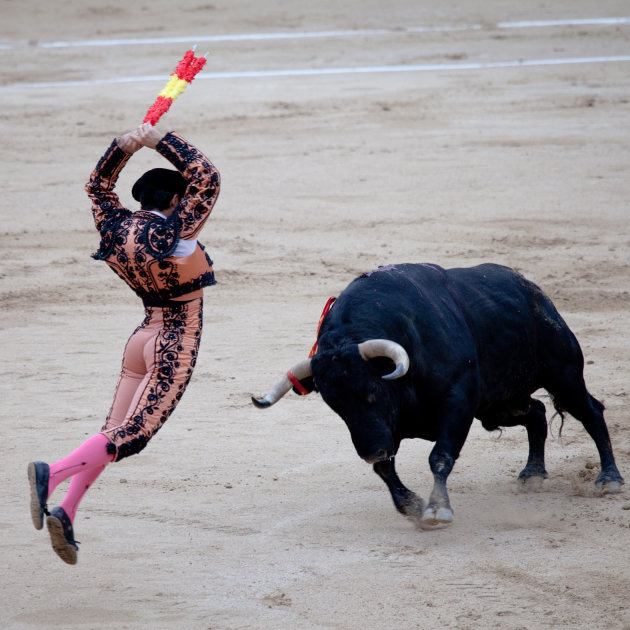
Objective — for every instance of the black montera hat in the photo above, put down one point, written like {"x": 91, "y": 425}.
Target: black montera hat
{"x": 160, "y": 179}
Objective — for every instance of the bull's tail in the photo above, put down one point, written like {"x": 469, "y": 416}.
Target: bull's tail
{"x": 560, "y": 411}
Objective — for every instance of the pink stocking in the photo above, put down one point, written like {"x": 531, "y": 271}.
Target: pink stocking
{"x": 78, "y": 487}
{"x": 91, "y": 456}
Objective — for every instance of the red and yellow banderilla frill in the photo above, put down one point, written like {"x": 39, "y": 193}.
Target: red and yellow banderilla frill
{"x": 185, "y": 72}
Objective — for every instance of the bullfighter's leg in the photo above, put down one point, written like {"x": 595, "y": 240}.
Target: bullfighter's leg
{"x": 590, "y": 412}
{"x": 407, "y": 502}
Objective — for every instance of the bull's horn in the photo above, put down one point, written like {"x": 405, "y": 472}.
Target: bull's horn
{"x": 300, "y": 370}
{"x": 385, "y": 348}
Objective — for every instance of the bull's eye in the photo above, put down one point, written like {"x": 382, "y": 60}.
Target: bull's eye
{"x": 371, "y": 398}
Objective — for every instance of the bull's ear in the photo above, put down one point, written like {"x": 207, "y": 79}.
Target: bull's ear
{"x": 308, "y": 384}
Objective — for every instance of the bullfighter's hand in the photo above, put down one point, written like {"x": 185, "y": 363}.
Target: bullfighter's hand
{"x": 128, "y": 143}
{"x": 148, "y": 135}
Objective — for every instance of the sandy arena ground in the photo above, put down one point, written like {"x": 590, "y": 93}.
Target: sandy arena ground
{"x": 235, "y": 518}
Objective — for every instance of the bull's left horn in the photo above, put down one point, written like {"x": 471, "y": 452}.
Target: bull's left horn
{"x": 386, "y": 348}
{"x": 300, "y": 370}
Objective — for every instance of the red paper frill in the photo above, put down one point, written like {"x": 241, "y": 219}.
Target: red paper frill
{"x": 196, "y": 65}
{"x": 157, "y": 110}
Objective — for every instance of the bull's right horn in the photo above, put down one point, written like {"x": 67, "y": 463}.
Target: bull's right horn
{"x": 300, "y": 370}
{"x": 386, "y": 348}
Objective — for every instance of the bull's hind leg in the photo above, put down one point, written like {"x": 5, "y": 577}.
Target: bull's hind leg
{"x": 590, "y": 412}
{"x": 570, "y": 394}
{"x": 407, "y": 502}
{"x": 529, "y": 413}
{"x": 535, "y": 422}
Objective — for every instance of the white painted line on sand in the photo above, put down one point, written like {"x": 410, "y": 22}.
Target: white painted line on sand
{"x": 296, "y": 72}
{"x": 240, "y": 37}
{"x": 236, "y": 37}
{"x": 573, "y": 22}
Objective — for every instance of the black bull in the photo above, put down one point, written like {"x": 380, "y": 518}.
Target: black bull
{"x": 467, "y": 343}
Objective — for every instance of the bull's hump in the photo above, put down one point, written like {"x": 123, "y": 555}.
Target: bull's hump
{"x": 379, "y": 270}
{"x": 403, "y": 268}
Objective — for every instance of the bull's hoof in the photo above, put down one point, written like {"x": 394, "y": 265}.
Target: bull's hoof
{"x": 608, "y": 487}
{"x": 435, "y": 516}
{"x": 530, "y": 484}
{"x": 609, "y": 482}
{"x": 413, "y": 508}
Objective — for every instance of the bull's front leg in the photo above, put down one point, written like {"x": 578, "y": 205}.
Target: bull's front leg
{"x": 438, "y": 511}
{"x": 455, "y": 427}
{"x": 407, "y": 502}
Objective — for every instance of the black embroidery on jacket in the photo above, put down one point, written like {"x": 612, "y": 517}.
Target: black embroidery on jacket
{"x": 177, "y": 152}
{"x": 159, "y": 236}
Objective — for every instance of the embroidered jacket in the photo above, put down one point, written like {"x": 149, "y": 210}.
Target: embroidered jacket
{"x": 139, "y": 246}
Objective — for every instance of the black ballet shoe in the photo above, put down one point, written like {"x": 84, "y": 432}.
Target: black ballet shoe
{"x": 38, "y": 475}
{"x": 62, "y": 535}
